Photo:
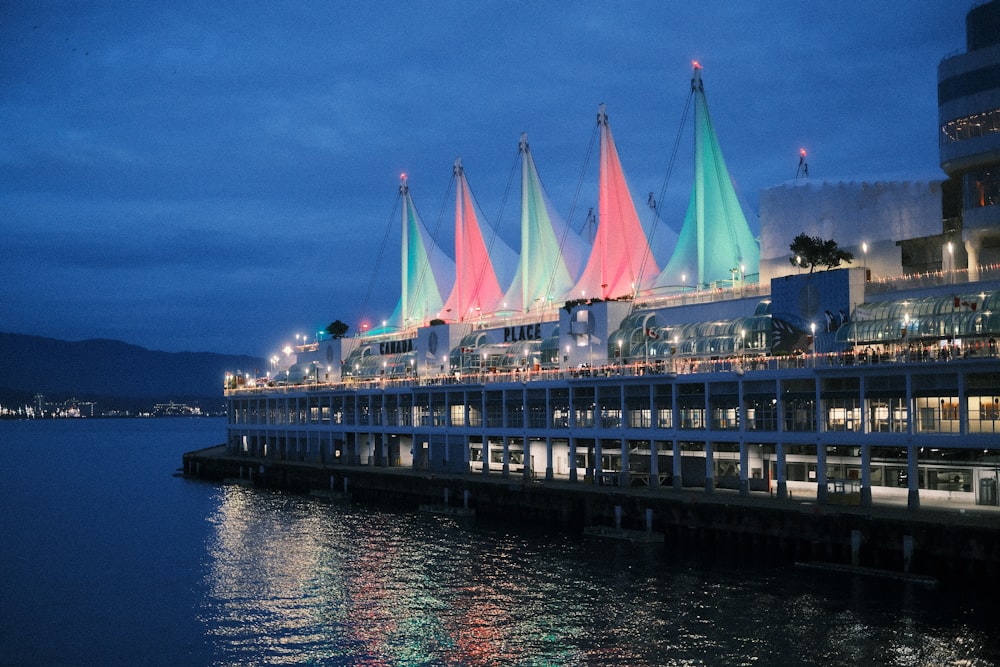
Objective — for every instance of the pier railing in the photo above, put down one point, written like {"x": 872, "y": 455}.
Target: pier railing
{"x": 881, "y": 356}
{"x": 957, "y": 277}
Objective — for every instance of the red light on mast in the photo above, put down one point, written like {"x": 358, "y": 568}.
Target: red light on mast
{"x": 802, "y": 152}
{"x": 696, "y": 64}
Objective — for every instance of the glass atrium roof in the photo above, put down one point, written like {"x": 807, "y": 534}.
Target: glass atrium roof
{"x": 962, "y": 316}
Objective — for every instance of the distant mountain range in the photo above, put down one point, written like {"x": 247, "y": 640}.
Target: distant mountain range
{"x": 114, "y": 374}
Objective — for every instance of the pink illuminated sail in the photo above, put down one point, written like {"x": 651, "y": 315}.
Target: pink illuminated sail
{"x": 483, "y": 265}
{"x": 620, "y": 260}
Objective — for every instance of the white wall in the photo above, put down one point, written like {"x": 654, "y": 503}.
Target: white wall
{"x": 879, "y": 213}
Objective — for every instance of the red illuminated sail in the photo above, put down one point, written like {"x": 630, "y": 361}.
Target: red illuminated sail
{"x": 480, "y": 263}
{"x": 620, "y": 259}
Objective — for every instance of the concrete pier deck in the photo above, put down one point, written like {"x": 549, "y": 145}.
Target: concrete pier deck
{"x": 941, "y": 540}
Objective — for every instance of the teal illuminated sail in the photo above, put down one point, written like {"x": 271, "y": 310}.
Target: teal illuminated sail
{"x": 551, "y": 252}
{"x": 427, "y": 272}
{"x": 715, "y": 244}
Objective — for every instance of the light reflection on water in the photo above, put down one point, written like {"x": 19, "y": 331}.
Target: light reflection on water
{"x": 109, "y": 560}
{"x": 291, "y": 580}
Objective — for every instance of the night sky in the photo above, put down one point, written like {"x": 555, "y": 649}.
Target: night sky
{"x": 214, "y": 176}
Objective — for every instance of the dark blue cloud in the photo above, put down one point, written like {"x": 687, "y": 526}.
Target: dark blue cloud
{"x": 214, "y": 176}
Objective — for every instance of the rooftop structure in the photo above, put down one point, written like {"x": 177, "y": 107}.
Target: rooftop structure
{"x": 487, "y": 280}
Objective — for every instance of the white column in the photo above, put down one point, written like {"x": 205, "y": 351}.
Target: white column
{"x": 709, "y": 467}
{"x": 779, "y": 453}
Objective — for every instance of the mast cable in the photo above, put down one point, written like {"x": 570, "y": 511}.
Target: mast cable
{"x": 434, "y": 246}
{"x": 493, "y": 229}
{"x": 378, "y": 259}
{"x": 583, "y": 173}
{"x": 657, "y": 220}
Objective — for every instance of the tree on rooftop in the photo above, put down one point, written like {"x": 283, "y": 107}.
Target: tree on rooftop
{"x": 337, "y": 329}
{"x": 813, "y": 251}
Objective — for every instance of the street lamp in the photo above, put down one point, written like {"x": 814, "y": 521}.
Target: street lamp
{"x": 864, "y": 250}
{"x": 812, "y": 340}
{"x": 951, "y": 262}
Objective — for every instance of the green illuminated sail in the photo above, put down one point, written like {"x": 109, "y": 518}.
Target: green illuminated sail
{"x": 715, "y": 244}
{"x": 426, "y": 269}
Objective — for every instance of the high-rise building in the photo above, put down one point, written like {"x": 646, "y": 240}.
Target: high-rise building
{"x": 969, "y": 121}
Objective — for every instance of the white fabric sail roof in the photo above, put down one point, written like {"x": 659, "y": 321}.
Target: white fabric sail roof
{"x": 552, "y": 253}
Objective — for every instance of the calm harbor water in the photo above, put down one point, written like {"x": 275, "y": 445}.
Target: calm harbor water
{"x": 108, "y": 559}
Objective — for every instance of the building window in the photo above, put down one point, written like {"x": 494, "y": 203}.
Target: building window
{"x": 843, "y": 414}
{"x": 937, "y": 414}
{"x": 984, "y": 414}
{"x": 970, "y": 127}
{"x": 692, "y": 418}
{"x": 982, "y": 188}
{"x": 800, "y": 414}
{"x": 494, "y": 409}
{"x": 639, "y": 417}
